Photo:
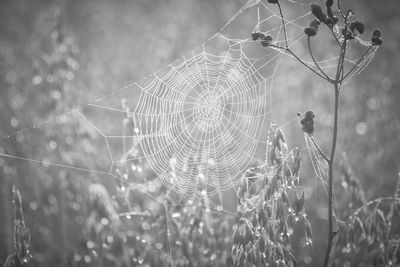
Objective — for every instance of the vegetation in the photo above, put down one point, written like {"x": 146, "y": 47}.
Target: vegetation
{"x": 77, "y": 219}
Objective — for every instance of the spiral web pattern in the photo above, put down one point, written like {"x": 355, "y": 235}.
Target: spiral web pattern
{"x": 198, "y": 121}
{"x": 201, "y": 119}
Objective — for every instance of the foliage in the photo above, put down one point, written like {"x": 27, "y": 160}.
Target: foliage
{"x": 78, "y": 221}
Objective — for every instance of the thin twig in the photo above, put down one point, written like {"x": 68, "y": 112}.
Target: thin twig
{"x": 334, "y": 35}
{"x": 283, "y": 24}
{"x": 340, "y": 9}
{"x": 313, "y": 59}
{"x": 356, "y": 65}
{"x": 299, "y": 59}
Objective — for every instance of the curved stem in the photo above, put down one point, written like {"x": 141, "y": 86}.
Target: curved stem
{"x": 299, "y": 60}
{"x": 340, "y": 9}
{"x": 283, "y": 24}
{"x": 313, "y": 59}
{"x": 356, "y": 65}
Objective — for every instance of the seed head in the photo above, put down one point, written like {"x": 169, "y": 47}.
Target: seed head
{"x": 257, "y": 35}
{"x": 312, "y": 29}
{"x": 356, "y": 25}
{"x": 376, "y": 37}
{"x": 307, "y": 122}
{"x": 318, "y": 13}
{"x": 266, "y": 40}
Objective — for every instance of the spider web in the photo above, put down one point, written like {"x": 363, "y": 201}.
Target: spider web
{"x": 197, "y": 123}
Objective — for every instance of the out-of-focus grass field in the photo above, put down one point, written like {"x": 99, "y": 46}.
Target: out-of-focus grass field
{"x": 55, "y": 55}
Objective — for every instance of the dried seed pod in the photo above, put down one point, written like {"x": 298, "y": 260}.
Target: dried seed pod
{"x": 318, "y": 13}
{"x": 307, "y": 122}
{"x": 266, "y": 40}
{"x": 356, "y": 25}
{"x": 376, "y": 37}
{"x": 312, "y": 29}
{"x": 257, "y": 35}
{"x": 273, "y": 1}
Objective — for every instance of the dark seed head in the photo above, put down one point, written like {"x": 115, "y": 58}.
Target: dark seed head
{"x": 376, "y": 37}
{"x": 376, "y": 41}
{"x": 318, "y": 13}
{"x": 377, "y": 33}
{"x": 329, "y": 3}
{"x": 254, "y": 36}
{"x": 273, "y": 1}
{"x": 257, "y": 35}
{"x": 266, "y": 40}
{"x": 356, "y": 25}
{"x": 310, "y": 31}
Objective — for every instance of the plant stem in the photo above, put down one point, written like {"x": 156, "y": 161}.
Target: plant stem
{"x": 284, "y": 25}
{"x": 299, "y": 60}
{"x": 337, "y": 85}
{"x": 330, "y": 175}
{"x": 313, "y": 59}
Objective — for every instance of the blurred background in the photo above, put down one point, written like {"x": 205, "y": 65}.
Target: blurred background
{"x": 56, "y": 55}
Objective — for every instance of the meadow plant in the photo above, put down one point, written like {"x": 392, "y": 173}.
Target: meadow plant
{"x": 129, "y": 228}
{"x": 368, "y": 228}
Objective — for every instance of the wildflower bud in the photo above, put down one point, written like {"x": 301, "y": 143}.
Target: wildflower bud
{"x": 266, "y": 40}
{"x": 312, "y": 29}
{"x": 329, "y": 3}
{"x": 273, "y": 1}
{"x": 376, "y": 37}
{"x": 318, "y": 13}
